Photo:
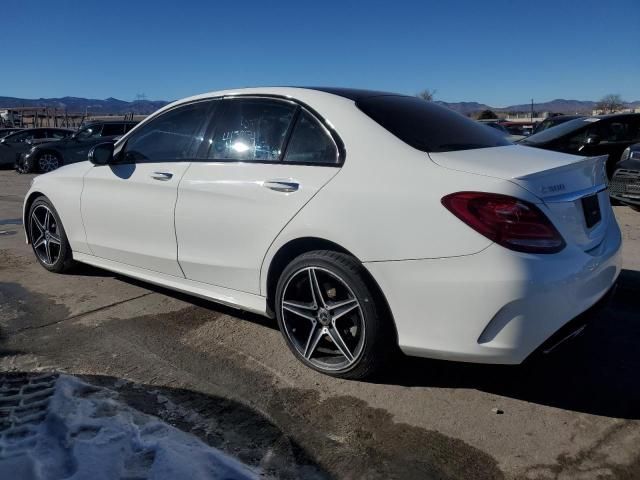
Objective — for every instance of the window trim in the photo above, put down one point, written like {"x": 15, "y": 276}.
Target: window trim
{"x": 329, "y": 129}
{"x": 208, "y": 124}
{"x": 299, "y": 107}
{"x": 294, "y": 124}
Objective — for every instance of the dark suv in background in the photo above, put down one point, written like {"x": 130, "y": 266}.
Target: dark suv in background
{"x": 49, "y": 156}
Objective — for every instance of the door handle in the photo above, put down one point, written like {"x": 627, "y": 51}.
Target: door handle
{"x": 163, "y": 176}
{"x": 283, "y": 185}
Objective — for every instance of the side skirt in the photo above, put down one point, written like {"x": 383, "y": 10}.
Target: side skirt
{"x": 226, "y": 296}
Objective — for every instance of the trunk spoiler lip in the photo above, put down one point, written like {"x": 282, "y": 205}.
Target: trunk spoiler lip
{"x": 573, "y": 196}
{"x": 598, "y": 163}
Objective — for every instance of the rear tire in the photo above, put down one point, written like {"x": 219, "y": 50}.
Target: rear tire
{"x": 48, "y": 161}
{"x": 330, "y": 317}
{"x": 47, "y": 237}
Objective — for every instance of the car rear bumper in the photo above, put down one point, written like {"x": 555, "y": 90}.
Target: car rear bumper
{"x": 496, "y": 306}
{"x": 627, "y": 199}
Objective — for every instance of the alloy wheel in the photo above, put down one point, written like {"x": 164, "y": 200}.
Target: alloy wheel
{"x": 48, "y": 162}
{"x": 45, "y": 235}
{"x": 323, "y": 319}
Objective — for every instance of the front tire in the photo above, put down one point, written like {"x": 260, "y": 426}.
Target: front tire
{"x": 330, "y": 318}
{"x": 47, "y": 237}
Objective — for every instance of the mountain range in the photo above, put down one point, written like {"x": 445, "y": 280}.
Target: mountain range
{"x": 143, "y": 107}
{"x": 558, "y": 105}
{"x": 80, "y": 105}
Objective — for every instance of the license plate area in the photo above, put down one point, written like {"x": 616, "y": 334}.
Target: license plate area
{"x": 591, "y": 209}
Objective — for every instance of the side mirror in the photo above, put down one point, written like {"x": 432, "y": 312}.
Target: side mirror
{"x": 101, "y": 154}
{"x": 592, "y": 140}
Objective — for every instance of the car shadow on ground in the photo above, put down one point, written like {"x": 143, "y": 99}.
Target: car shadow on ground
{"x": 87, "y": 270}
{"x": 596, "y": 373}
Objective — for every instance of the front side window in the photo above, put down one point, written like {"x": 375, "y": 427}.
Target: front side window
{"x": 251, "y": 130}
{"x": 173, "y": 136}
{"x": 427, "y": 126}
{"x": 112, "y": 129}
{"x": 310, "y": 143}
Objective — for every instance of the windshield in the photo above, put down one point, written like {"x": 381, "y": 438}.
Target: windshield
{"x": 559, "y": 130}
{"x": 429, "y": 127}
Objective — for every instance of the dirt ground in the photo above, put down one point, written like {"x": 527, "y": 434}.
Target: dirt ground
{"x": 228, "y": 377}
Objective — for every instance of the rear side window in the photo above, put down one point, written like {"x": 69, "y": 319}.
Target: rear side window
{"x": 251, "y": 130}
{"x": 429, "y": 127}
{"x": 112, "y": 129}
{"x": 310, "y": 143}
{"x": 39, "y": 135}
{"x": 57, "y": 134}
{"x": 174, "y": 135}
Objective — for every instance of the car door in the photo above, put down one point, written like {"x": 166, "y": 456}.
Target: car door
{"x": 247, "y": 185}
{"x": 128, "y": 206}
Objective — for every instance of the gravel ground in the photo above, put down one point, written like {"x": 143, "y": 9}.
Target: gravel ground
{"x": 227, "y": 377}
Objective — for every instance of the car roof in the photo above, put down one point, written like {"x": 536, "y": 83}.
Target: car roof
{"x": 305, "y": 95}
{"x": 294, "y": 92}
{"x": 615, "y": 115}
{"x": 354, "y": 94}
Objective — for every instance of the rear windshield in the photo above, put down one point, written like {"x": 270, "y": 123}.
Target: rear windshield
{"x": 429, "y": 127}
{"x": 558, "y": 130}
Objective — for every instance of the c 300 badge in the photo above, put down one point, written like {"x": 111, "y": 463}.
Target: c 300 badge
{"x": 553, "y": 188}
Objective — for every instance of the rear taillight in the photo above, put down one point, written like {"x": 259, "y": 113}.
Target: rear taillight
{"x": 508, "y": 221}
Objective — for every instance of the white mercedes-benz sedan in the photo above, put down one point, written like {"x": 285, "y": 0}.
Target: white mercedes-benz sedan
{"x": 361, "y": 220}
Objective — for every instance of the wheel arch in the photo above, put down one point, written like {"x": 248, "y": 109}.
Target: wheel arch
{"x": 27, "y": 207}
{"x": 295, "y": 247}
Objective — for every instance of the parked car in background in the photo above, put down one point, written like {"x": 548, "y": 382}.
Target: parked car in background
{"x": 625, "y": 182}
{"x": 363, "y": 221}
{"x": 49, "y": 156}
{"x": 591, "y": 136}
{"x": 497, "y": 125}
{"x": 6, "y": 131}
{"x": 517, "y": 128}
{"x": 15, "y": 144}
{"x": 553, "y": 121}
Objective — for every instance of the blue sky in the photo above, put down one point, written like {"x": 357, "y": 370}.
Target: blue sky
{"x": 498, "y": 52}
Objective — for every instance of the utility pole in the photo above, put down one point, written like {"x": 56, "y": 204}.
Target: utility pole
{"x": 532, "y": 110}
{"x": 140, "y": 97}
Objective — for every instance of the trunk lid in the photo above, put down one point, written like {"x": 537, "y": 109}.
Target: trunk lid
{"x": 572, "y": 188}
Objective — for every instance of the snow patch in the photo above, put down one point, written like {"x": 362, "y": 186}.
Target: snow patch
{"x": 60, "y": 427}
